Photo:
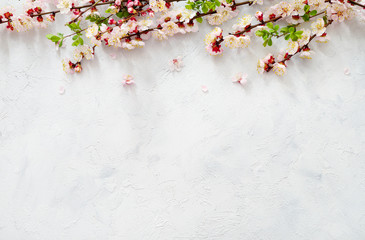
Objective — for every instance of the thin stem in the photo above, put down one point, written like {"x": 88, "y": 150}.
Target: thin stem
{"x": 79, "y": 7}
{"x": 356, "y": 3}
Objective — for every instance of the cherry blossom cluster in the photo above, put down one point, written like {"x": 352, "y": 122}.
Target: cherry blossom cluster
{"x": 128, "y": 24}
{"x": 283, "y": 20}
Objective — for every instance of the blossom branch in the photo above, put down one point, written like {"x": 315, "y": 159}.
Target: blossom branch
{"x": 198, "y": 15}
{"x": 298, "y": 24}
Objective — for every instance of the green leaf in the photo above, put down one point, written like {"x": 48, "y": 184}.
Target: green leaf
{"x": 276, "y": 27}
{"x": 325, "y": 19}
{"x": 306, "y": 8}
{"x": 74, "y": 26}
{"x": 291, "y": 29}
{"x": 205, "y": 8}
{"x": 186, "y": 6}
{"x": 199, "y": 19}
{"x": 269, "y": 42}
{"x": 293, "y": 37}
{"x": 299, "y": 34}
{"x": 270, "y": 25}
{"x": 125, "y": 13}
{"x": 305, "y": 17}
{"x": 265, "y": 43}
{"x": 49, "y": 36}
{"x": 284, "y": 30}
{"x": 53, "y": 38}
{"x": 287, "y": 37}
{"x": 75, "y": 37}
{"x": 259, "y": 33}
{"x": 312, "y": 13}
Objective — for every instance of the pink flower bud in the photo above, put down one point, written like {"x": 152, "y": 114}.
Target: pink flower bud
{"x": 259, "y": 16}
{"x": 111, "y": 21}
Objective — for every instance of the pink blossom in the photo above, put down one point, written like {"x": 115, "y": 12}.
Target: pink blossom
{"x": 240, "y": 78}
{"x": 204, "y": 88}
{"x": 346, "y": 71}
{"x": 176, "y": 64}
{"x": 61, "y": 90}
{"x": 128, "y": 80}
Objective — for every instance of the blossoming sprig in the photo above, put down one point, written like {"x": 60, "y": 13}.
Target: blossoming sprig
{"x": 33, "y": 15}
{"x": 289, "y": 32}
{"x": 308, "y": 13}
{"x": 278, "y": 65}
{"x": 195, "y": 17}
{"x": 273, "y": 31}
{"x": 75, "y": 27}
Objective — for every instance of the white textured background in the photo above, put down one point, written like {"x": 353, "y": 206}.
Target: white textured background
{"x": 282, "y": 158}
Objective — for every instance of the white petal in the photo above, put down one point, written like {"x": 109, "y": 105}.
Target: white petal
{"x": 61, "y": 90}
{"x": 346, "y": 71}
{"x": 204, "y": 88}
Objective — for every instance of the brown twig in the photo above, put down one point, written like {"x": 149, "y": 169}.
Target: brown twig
{"x": 356, "y": 3}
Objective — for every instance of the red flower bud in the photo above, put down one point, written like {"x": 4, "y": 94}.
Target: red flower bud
{"x": 30, "y": 12}
{"x": 9, "y": 26}
{"x": 8, "y": 15}
{"x": 38, "y": 9}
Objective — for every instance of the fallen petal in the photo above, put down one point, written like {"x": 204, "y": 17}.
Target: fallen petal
{"x": 204, "y": 88}
{"x": 61, "y": 90}
{"x": 346, "y": 71}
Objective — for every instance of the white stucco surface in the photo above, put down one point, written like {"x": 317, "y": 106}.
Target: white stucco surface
{"x": 282, "y": 158}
